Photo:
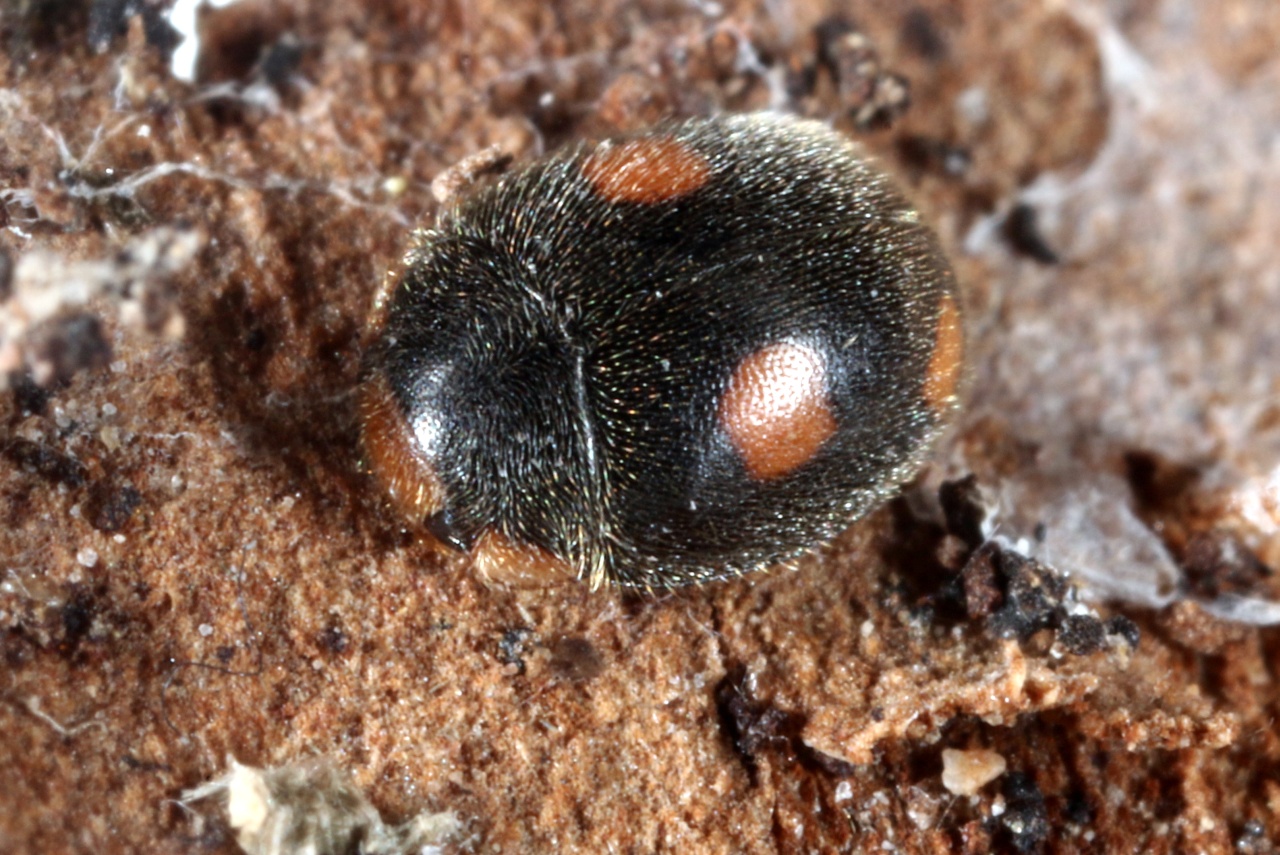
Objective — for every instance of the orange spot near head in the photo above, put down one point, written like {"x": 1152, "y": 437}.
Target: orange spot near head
{"x": 501, "y": 559}
{"x": 648, "y": 170}
{"x": 393, "y": 454}
{"x": 776, "y": 411}
{"x": 942, "y": 375}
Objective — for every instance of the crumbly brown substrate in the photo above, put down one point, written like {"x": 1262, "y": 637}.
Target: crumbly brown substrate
{"x": 193, "y": 564}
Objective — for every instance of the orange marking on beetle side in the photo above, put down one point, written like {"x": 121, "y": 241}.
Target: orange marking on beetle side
{"x": 648, "y": 170}
{"x": 776, "y": 410}
{"x": 942, "y": 375}
{"x": 501, "y": 559}
{"x": 394, "y": 456}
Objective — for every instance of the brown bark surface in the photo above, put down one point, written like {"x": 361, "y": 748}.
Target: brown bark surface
{"x": 194, "y": 566}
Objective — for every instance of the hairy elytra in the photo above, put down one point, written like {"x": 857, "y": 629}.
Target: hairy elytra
{"x": 664, "y": 359}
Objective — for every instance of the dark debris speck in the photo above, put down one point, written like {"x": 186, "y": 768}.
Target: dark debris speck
{"x": 964, "y": 509}
{"x": 511, "y": 647}
{"x": 1160, "y": 485}
{"x": 1082, "y": 634}
{"x": 1026, "y": 819}
{"x": 280, "y": 61}
{"x": 1014, "y": 595}
{"x": 1217, "y": 562}
{"x": 1078, "y": 810}
{"x": 922, "y": 36}
{"x": 1022, "y": 231}
{"x": 334, "y": 640}
{"x": 47, "y": 462}
{"x": 1033, "y": 597}
{"x": 935, "y": 155}
{"x": 1121, "y": 626}
{"x": 30, "y": 397}
{"x": 1018, "y": 596}
{"x": 109, "y": 19}
{"x": 77, "y": 618}
{"x": 110, "y": 504}
{"x": 71, "y": 344}
{"x": 750, "y": 725}
{"x": 755, "y": 727}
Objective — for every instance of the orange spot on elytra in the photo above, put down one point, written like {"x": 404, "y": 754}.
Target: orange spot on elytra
{"x": 942, "y": 375}
{"x": 501, "y": 559}
{"x": 648, "y": 170}
{"x": 776, "y": 411}
{"x": 393, "y": 454}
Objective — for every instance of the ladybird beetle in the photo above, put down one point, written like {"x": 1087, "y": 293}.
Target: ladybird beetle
{"x": 664, "y": 358}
